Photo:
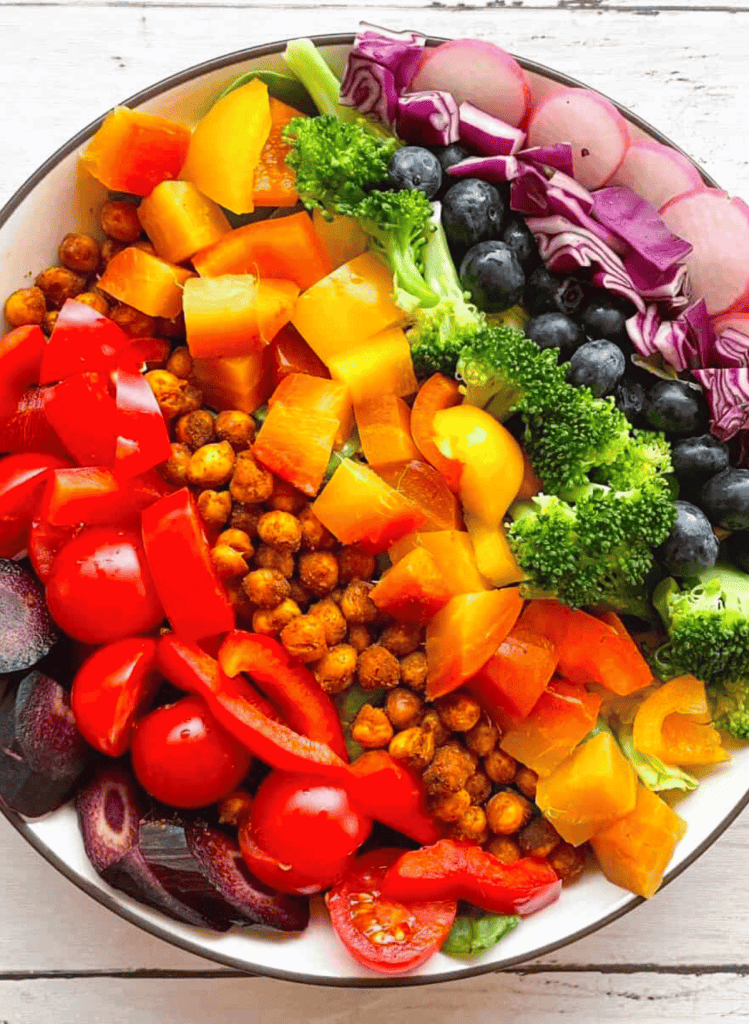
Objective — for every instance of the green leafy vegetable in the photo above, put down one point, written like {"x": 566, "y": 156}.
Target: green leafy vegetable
{"x": 470, "y": 937}
{"x": 283, "y": 87}
{"x": 654, "y": 773}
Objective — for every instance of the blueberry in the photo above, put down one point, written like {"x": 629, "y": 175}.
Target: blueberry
{"x": 555, "y": 330}
{"x": 416, "y": 169}
{"x": 605, "y": 316}
{"x": 473, "y": 211}
{"x": 451, "y": 155}
{"x": 725, "y": 499}
{"x": 676, "y": 407}
{"x": 691, "y": 546}
{"x": 599, "y": 365}
{"x": 517, "y": 235}
{"x": 629, "y": 396}
{"x": 696, "y": 459}
{"x": 492, "y": 275}
{"x": 546, "y": 292}
{"x": 738, "y": 550}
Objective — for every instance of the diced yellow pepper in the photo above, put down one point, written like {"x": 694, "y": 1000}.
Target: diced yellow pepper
{"x": 179, "y": 220}
{"x": 673, "y": 723}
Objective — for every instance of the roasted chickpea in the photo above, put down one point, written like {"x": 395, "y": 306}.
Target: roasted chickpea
{"x": 269, "y": 558}
{"x": 355, "y": 564}
{"x": 507, "y": 812}
{"x": 378, "y": 669}
{"x": 414, "y": 671}
{"x": 227, "y": 562}
{"x": 212, "y": 466}
{"x": 214, "y": 507}
{"x": 458, "y": 710}
{"x": 270, "y": 621}
{"x": 238, "y": 428}
{"x": 505, "y": 849}
{"x": 250, "y": 483}
{"x": 286, "y": 498}
{"x": 318, "y": 570}
{"x": 526, "y": 781}
{"x": 333, "y": 621}
{"x": 25, "y": 306}
{"x": 109, "y": 249}
{"x": 50, "y": 321}
{"x": 371, "y": 728}
{"x": 479, "y": 786}
{"x": 358, "y": 635}
{"x": 266, "y": 588}
{"x": 171, "y": 393}
{"x": 235, "y": 808}
{"x": 450, "y": 807}
{"x": 119, "y": 220}
{"x": 79, "y": 252}
{"x": 471, "y": 826}
{"x": 173, "y": 327}
{"x": 403, "y": 707}
{"x": 59, "y": 284}
{"x": 146, "y": 245}
{"x": 238, "y": 540}
{"x": 300, "y": 594}
{"x": 432, "y": 722}
{"x": 243, "y": 610}
{"x": 136, "y": 324}
{"x": 304, "y": 638}
{"x": 315, "y": 537}
{"x": 175, "y": 468}
{"x": 500, "y": 767}
{"x": 245, "y": 518}
{"x": 280, "y": 530}
{"x": 401, "y": 638}
{"x": 195, "y": 429}
{"x": 415, "y": 747}
{"x": 180, "y": 362}
{"x": 482, "y": 737}
{"x": 356, "y": 604}
{"x": 335, "y": 670}
{"x": 95, "y": 300}
{"x": 568, "y": 861}
{"x": 538, "y": 838}
{"x": 449, "y": 771}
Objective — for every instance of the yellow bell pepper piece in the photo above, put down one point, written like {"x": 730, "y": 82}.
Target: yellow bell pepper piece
{"x": 673, "y": 723}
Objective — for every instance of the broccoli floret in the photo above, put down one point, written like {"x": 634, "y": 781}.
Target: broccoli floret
{"x": 731, "y": 707}
{"x": 647, "y": 455}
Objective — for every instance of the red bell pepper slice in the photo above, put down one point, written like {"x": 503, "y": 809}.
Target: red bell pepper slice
{"x": 149, "y": 352}
{"x": 83, "y": 414}
{"x": 179, "y": 558}
{"x": 305, "y": 705}
{"x": 21, "y": 354}
{"x": 388, "y": 792}
{"x": 237, "y": 707}
{"x": 95, "y": 496}
{"x": 111, "y": 689}
{"x": 291, "y": 354}
{"x": 82, "y": 340}
{"x": 27, "y": 429}
{"x": 46, "y": 542}
{"x": 455, "y": 870}
{"x": 142, "y": 437}
{"x": 23, "y": 478}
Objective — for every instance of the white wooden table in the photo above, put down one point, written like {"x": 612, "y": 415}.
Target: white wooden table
{"x": 684, "y": 957}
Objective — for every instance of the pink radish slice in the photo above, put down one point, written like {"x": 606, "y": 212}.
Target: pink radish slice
{"x": 657, "y": 173}
{"x": 718, "y": 228}
{"x": 596, "y": 131}
{"x": 734, "y": 321}
{"x": 478, "y": 72}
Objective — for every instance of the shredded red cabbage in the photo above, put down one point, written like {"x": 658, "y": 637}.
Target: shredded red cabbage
{"x": 496, "y": 169}
{"x": 731, "y": 349}
{"x": 370, "y": 88}
{"x": 487, "y": 134}
{"x": 652, "y": 245}
{"x": 535, "y": 193}
{"x": 557, "y": 155}
{"x": 399, "y": 52}
{"x": 727, "y": 392}
{"x": 428, "y": 118}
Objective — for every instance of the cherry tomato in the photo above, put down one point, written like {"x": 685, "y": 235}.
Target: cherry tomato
{"x": 183, "y": 757}
{"x": 385, "y": 935}
{"x": 100, "y": 588}
{"x": 309, "y": 827}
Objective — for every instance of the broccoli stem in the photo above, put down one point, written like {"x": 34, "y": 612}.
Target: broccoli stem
{"x": 408, "y": 275}
{"x": 304, "y": 60}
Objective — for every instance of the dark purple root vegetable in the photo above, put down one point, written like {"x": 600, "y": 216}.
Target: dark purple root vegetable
{"x": 109, "y": 810}
{"x": 221, "y": 862}
{"x": 26, "y": 627}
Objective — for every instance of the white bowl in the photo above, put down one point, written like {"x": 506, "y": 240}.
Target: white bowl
{"x": 57, "y": 199}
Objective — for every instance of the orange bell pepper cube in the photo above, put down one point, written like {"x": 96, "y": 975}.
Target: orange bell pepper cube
{"x": 274, "y": 179}
{"x": 236, "y": 382}
{"x": 562, "y": 717}
{"x": 342, "y": 237}
{"x": 439, "y": 392}
{"x": 673, "y": 723}
{"x": 133, "y": 152}
{"x": 150, "y": 284}
{"x": 453, "y": 552}
{"x": 226, "y": 145}
{"x": 380, "y": 365}
{"x": 329, "y": 397}
{"x": 283, "y": 247}
{"x": 292, "y": 354}
{"x": 296, "y": 444}
{"x": 513, "y": 679}
{"x": 179, "y": 220}
{"x": 635, "y": 850}
{"x": 384, "y": 425}
{"x": 425, "y": 487}
{"x": 463, "y": 636}
{"x": 360, "y": 508}
{"x": 590, "y": 651}
{"x": 236, "y": 314}
{"x": 413, "y": 590}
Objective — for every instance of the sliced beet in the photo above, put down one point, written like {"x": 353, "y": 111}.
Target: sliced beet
{"x": 109, "y": 810}
{"x": 221, "y": 862}
{"x": 26, "y": 627}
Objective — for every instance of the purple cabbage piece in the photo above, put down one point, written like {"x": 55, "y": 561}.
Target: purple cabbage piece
{"x": 727, "y": 391}
{"x": 685, "y": 343}
{"x": 652, "y": 245}
{"x": 495, "y": 169}
{"x": 399, "y": 52}
{"x": 557, "y": 155}
{"x": 731, "y": 349}
{"x": 370, "y": 88}
{"x": 487, "y": 134}
{"x": 535, "y": 193}
{"x": 428, "y": 118}
{"x": 703, "y": 334}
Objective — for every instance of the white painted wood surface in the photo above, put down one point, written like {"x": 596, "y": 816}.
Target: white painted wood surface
{"x": 681, "y": 958}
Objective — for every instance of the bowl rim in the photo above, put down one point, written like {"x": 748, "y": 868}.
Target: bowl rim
{"x": 109, "y": 899}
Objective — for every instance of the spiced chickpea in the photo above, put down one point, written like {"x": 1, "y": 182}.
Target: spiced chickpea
{"x": 414, "y": 671}
{"x": 228, "y": 562}
{"x": 526, "y": 781}
{"x": 450, "y": 807}
{"x": 300, "y": 594}
{"x": 355, "y": 564}
{"x": 266, "y": 588}
{"x": 59, "y": 284}
{"x": 50, "y": 320}
{"x": 270, "y": 621}
{"x": 119, "y": 219}
{"x": 238, "y": 428}
{"x": 214, "y": 507}
{"x": 250, "y": 483}
{"x": 146, "y": 245}
{"x": 134, "y": 323}
{"x": 212, "y": 466}
{"x": 235, "y": 808}
{"x": 449, "y": 771}
{"x": 269, "y": 558}
{"x": 175, "y": 468}
{"x": 180, "y": 362}
{"x": 432, "y": 722}
{"x": 79, "y": 252}
{"x": 458, "y": 710}
{"x": 304, "y": 638}
{"x": 372, "y": 728}
{"x": 507, "y": 812}
{"x": 357, "y": 605}
{"x": 25, "y": 306}
{"x": 403, "y": 707}
{"x": 173, "y": 327}
{"x": 471, "y": 826}
{"x": 538, "y": 838}
{"x": 479, "y": 786}
{"x": 482, "y": 737}
{"x": 335, "y": 670}
{"x": 315, "y": 537}
{"x": 286, "y": 498}
{"x": 505, "y": 849}
{"x": 358, "y": 635}
{"x": 95, "y": 300}
{"x": 238, "y": 540}
{"x": 245, "y": 518}
{"x": 333, "y": 621}
{"x": 280, "y": 530}
{"x": 415, "y": 747}
{"x": 378, "y": 669}
{"x": 401, "y": 638}
{"x": 500, "y": 767}
{"x": 318, "y": 570}
{"x": 109, "y": 249}
{"x": 568, "y": 861}
{"x": 195, "y": 429}
{"x": 172, "y": 394}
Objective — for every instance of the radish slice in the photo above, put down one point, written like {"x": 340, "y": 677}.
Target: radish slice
{"x": 657, "y": 173}
{"x": 478, "y": 72}
{"x": 596, "y": 131}
{"x": 718, "y": 228}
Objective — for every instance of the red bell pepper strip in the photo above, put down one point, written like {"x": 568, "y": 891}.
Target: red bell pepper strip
{"x": 21, "y": 354}
{"x": 179, "y": 558}
{"x": 292, "y": 354}
{"x": 388, "y": 792}
{"x": 452, "y": 869}
{"x": 23, "y": 478}
{"x": 27, "y": 429}
{"x": 82, "y": 340}
{"x": 95, "y": 496}
{"x": 236, "y": 706}
{"x": 142, "y": 437}
{"x": 82, "y": 413}
{"x": 305, "y": 705}
{"x": 149, "y": 352}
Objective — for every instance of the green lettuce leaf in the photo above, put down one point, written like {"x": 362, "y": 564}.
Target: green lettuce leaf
{"x": 654, "y": 773}
{"x": 471, "y": 937}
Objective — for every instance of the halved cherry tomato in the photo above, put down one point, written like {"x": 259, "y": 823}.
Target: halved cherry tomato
{"x": 23, "y": 478}
{"x": 381, "y": 934}
{"x": 183, "y": 757}
{"x": 46, "y": 542}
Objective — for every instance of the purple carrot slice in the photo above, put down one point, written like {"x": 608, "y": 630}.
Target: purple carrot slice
{"x": 27, "y": 632}
{"x": 109, "y": 810}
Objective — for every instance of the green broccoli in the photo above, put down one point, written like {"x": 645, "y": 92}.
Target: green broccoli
{"x": 707, "y": 621}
